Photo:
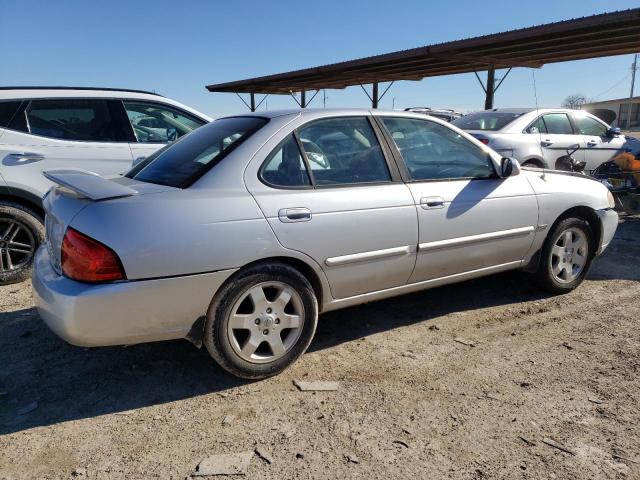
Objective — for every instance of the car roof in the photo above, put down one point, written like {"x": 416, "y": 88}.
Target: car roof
{"x": 70, "y": 92}
{"x": 328, "y": 112}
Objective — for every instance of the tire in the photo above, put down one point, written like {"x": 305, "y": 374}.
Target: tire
{"x": 21, "y": 233}
{"x": 532, "y": 164}
{"x": 562, "y": 270}
{"x": 252, "y": 350}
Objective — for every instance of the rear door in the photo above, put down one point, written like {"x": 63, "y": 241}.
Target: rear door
{"x": 48, "y": 134}
{"x": 469, "y": 219}
{"x": 557, "y": 137}
{"x": 156, "y": 124}
{"x": 599, "y": 146}
{"x": 329, "y": 190}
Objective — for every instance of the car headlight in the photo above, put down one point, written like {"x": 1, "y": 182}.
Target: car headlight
{"x": 611, "y": 200}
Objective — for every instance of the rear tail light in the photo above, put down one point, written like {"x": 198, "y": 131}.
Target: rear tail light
{"x": 87, "y": 260}
{"x": 484, "y": 140}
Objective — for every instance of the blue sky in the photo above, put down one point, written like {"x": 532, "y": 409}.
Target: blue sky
{"x": 176, "y": 48}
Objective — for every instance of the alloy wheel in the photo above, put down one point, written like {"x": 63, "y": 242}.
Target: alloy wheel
{"x": 17, "y": 244}
{"x": 266, "y": 322}
{"x": 569, "y": 255}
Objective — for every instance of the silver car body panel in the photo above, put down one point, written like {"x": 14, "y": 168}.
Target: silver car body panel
{"x": 363, "y": 243}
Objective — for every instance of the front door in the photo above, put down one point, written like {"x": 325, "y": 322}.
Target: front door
{"x": 469, "y": 218}
{"x": 599, "y": 146}
{"x": 329, "y": 191}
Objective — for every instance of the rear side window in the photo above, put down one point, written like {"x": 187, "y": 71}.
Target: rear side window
{"x": 490, "y": 121}
{"x": 285, "y": 167}
{"x": 557, "y": 123}
{"x": 7, "y": 112}
{"x": 155, "y": 123}
{"x": 183, "y": 162}
{"x": 343, "y": 150}
{"x": 81, "y": 120}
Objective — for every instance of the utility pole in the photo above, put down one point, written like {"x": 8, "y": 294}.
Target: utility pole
{"x": 634, "y": 68}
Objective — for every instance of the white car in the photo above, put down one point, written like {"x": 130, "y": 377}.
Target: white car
{"x": 103, "y": 131}
{"x": 538, "y": 137}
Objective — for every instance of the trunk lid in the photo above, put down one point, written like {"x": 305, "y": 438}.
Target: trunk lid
{"x": 76, "y": 190}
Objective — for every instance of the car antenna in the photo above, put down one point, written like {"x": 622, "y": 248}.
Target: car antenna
{"x": 535, "y": 94}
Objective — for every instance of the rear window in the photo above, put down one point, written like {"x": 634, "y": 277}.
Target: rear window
{"x": 183, "y": 162}
{"x": 486, "y": 120}
{"x": 7, "y": 112}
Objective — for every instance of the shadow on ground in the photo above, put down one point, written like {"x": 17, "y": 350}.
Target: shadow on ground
{"x": 73, "y": 383}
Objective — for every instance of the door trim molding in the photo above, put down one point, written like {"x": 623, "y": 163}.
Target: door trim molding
{"x": 367, "y": 256}
{"x": 483, "y": 237}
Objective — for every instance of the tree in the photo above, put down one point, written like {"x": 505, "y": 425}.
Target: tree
{"x": 574, "y": 101}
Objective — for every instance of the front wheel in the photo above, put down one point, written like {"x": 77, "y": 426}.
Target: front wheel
{"x": 566, "y": 256}
{"x": 261, "y": 321}
{"x": 21, "y": 233}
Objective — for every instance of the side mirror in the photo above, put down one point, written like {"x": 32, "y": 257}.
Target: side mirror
{"x": 613, "y": 132}
{"x": 509, "y": 167}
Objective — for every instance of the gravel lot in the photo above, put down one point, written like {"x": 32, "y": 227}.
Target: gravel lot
{"x": 413, "y": 401}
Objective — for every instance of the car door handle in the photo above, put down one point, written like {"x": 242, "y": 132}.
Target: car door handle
{"x": 592, "y": 143}
{"x": 291, "y": 215}
{"x": 546, "y": 143}
{"x": 26, "y": 156}
{"x": 431, "y": 202}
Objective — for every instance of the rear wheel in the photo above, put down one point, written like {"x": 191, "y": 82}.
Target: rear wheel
{"x": 261, "y": 321}
{"x": 566, "y": 256}
{"x": 21, "y": 233}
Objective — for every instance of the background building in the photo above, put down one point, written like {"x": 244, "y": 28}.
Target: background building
{"x": 615, "y": 111}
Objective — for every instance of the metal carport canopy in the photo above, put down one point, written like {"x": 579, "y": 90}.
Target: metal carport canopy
{"x": 607, "y": 34}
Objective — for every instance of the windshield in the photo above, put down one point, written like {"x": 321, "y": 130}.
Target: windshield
{"x": 183, "y": 162}
{"x": 485, "y": 120}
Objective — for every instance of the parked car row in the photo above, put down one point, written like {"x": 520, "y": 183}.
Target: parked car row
{"x": 99, "y": 130}
{"x": 238, "y": 234}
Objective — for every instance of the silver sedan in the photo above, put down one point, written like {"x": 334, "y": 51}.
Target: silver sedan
{"x": 239, "y": 234}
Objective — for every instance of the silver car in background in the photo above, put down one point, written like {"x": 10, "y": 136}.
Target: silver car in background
{"x": 538, "y": 137}
{"x": 241, "y": 232}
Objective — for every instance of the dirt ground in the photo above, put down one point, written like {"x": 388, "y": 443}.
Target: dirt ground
{"x": 412, "y": 403}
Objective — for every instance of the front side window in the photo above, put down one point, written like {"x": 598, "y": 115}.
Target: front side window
{"x": 155, "y": 123}
{"x": 7, "y": 111}
{"x": 285, "y": 167}
{"x": 434, "y": 152}
{"x": 557, "y": 123}
{"x": 182, "y": 163}
{"x": 589, "y": 126}
{"x": 491, "y": 121}
{"x": 343, "y": 150}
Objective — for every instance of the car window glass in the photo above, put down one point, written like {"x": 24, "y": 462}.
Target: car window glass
{"x": 7, "y": 112}
{"x": 492, "y": 121}
{"x": 343, "y": 150}
{"x": 285, "y": 167}
{"x": 432, "y": 151}
{"x": 183, "y": 162}
{"x": 558, "y": 123}
{"x": 589, "y": 126}
{"x": 71, "y": 119}
{"x": 155, "y": 123}
{"x": 537, "y": 127}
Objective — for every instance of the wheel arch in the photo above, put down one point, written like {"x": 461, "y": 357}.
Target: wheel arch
{"x": 537, "y": 161}
{"x": 303, "y": 267}
{"x": 22, "y": 197}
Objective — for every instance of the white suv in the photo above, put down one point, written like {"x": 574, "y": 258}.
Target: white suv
{"x": 45, "y": 128}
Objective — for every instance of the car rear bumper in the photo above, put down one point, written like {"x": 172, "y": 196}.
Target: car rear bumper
{"x": 609, "y": 222}
{"x": 122, "y": 313}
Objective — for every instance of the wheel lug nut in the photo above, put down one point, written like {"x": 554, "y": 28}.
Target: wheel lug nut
{"x": 265, "y": 332}
{"x": 257, "y": 321}
{"x": 269, "y": 310}
{"x": 277, "y": 321}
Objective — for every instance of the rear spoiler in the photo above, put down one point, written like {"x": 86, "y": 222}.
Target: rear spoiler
{"x": 89, "y": 184}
